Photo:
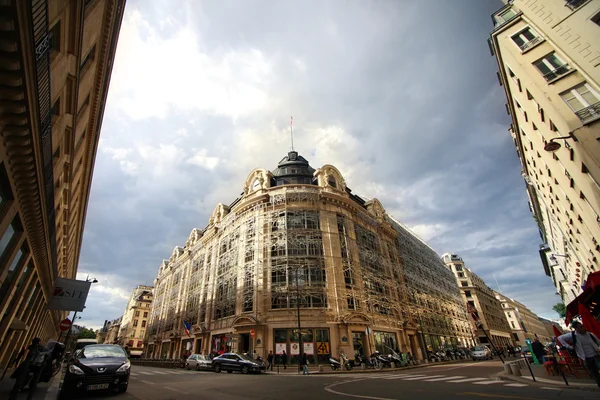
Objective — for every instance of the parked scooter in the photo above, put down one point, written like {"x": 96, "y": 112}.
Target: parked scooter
{"x": 343, "y": 364}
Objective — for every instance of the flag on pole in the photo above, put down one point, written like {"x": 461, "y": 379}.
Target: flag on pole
{"x": 187, "y": 327}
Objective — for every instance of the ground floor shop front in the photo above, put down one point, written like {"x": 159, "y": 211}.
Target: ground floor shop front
{"x": 318, "y": 341}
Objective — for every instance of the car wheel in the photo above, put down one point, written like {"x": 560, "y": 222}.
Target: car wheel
{"x": 187, "y": 366}
{"x": 197, "y": 367}
{"x": 230, "y": 372}
{"x": 245, "y": 369}
{"x": 474, "y": 359}
{"x": 123, "y": 389}
{"x": 217, "y": 368}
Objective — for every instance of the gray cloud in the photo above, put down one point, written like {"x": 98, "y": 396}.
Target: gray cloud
{"x": 400, "y": 96}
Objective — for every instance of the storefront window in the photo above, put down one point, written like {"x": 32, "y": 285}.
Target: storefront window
{"x": 315, "y": 342}
{"x": 385, "y": 342}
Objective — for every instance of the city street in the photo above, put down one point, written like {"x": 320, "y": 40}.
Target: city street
{"x": 464, "y": 381}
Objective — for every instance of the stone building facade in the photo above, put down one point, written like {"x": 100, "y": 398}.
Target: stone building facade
{"x": 523, "y": 322}
{"x": 134, "y": 322}
{"x": 57, "y": 58}
{"x": 298, "y": 245}
{"x": 479, "y": 298}
{"x": 548, "y": 53}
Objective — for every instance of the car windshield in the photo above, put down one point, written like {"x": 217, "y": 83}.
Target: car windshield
{"x": 202, "y": 357}
{"x": 92, "y": 351}
{"x": 478, "y": 348}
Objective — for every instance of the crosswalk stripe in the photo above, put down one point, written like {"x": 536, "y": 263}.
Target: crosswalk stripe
{"x": 160, "y": 372}
{"x": 146, "y": 373}
{"x": 446, "y": 378}
{"x": 487, "y": 382}
{"x": 402, "y": 376}
{"x": 133, "y": 373}
{"x": 517, "y": 385}
{"x": 422, "y": 377}
{"x": 467, "y": 380}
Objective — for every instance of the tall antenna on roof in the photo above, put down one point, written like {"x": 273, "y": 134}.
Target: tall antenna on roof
{"x": 292, "y": 131}
{"x": 497, "y": 284}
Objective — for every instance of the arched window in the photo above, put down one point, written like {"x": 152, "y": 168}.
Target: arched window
{"x": 332, "y": 182}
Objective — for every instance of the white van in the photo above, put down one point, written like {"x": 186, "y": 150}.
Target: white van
{"x": 81, "y": 343}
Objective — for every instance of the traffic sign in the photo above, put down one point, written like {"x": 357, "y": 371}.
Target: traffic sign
{"x": 65, "y": 324}
{"x": 252, "y": 333}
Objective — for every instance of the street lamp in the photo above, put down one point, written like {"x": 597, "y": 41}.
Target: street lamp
{"x": 553, "y": 146}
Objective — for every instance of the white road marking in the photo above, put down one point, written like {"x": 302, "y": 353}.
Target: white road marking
{"x": 403, "y": 376}
{"x": 422, "y": 377}
{"x": 146, "y": 373}
{"x": 133, "y": 373}
{"x": 516, "y": 385}
{"x": 160, "y": 372}
{"x": 487, "y": 382}
{"x": 447, "y": 378}
{"x": 148, "y": 382}
{"x": 175, "y": 390}
{"x": 549, "y": 388}
{"x": 467, "y": 380}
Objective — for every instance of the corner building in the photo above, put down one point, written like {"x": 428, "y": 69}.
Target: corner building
{"x": 548, "y": 54}
{"x": 55, "y": 68}
{"x": 298, "y": 244}
{"x": 132, "y": 328}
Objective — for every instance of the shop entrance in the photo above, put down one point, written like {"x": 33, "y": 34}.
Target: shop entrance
{"x": 244, "y": 343}
{"x": 198, "y": 346}
{"x": 357, "y": 343}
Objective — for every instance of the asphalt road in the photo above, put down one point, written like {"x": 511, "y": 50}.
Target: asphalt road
{"x": 463, "y": 381}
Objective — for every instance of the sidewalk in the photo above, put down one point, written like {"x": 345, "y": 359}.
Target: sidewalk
{"x": 543, "y": 379}
{"x": 44, "y": 391}
{"x": 314, "y": 369}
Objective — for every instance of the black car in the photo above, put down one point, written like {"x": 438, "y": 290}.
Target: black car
{"x": 97, "y": 367}
{"x": 236, "y": 362}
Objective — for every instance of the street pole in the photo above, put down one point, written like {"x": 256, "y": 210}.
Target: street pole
{"x": 69, "y": 331}
{"x": 300, "y": 351}
{"x": 490, "y": 342}
{"x": 425, "y": 355}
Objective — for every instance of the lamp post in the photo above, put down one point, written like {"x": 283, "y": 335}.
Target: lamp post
{"x": 553, "y": 146}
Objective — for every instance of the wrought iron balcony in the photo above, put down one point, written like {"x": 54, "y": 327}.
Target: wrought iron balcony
{"x": 589, "y": 113}
{"x": 552, "y": 75}
{"x": 531, "y": 43}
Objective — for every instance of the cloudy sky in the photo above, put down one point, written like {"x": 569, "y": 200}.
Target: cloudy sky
{"x": 401, "y": 96}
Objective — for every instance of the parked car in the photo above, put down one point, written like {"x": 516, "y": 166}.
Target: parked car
{"x": 236, "y": 362}
{"x": 97, "y": 367}
{"x": 481, "y": 353}
{"x": 198, "y": 362}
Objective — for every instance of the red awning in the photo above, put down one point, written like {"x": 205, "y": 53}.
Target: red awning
{"x": 591, "y": 285}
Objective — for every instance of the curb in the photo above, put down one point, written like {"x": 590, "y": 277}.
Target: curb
{"x": 55, "y": 385}
{"x": 502, "y": 376}
{"x": 372, "y": 371}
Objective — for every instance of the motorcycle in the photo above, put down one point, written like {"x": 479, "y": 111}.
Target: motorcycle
{"x": 344, "y": 364}
{"x": 397, "y": 360}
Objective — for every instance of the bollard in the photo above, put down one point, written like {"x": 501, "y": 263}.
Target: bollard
{"x": 393, "y": 365}
{"x": 363, "y": 366}
{"x": 320, "y": 368}
{"x": 507, "y": 369}
{"x": 516, "y": 371}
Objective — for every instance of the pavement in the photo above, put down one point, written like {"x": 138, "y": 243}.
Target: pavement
{"x": 542, "y": 378}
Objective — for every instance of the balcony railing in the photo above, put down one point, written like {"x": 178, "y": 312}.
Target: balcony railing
{"x": 589, "y": 113}
{"x": 532, "y": 43}
{"x": 552, "y": 75}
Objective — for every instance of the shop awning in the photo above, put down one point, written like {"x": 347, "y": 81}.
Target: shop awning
{"x": 18, "y": 325}
{"x": 591, "y": 287}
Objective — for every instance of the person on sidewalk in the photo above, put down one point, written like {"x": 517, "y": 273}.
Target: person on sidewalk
{"x": 586, "y": 345}
{"x": 539, "y": 350}
{"x": 305, "y": 364}
{"x": 284, "y": 359}
{"x": 270, "y": 360}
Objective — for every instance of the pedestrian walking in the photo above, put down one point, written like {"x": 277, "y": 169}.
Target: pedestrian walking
{"x": 539, "y": 350}
{"x": 586, "y": 345}
{"x": 270, "y": 360}
{"x": 284, "y": 359}
{"x": 305, "y": 364}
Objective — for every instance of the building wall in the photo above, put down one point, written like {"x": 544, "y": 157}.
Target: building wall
{"x": 47, "y": 151}
{"x": 476, "y": 293}
{"x": 563, "y": 186}
{"x": 524, "y": 323}
{"x": 133, "y": 324}
{"x": 244, "y": 273}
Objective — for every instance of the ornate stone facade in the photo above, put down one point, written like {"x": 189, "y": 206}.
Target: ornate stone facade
{"x": 300, "y": 245}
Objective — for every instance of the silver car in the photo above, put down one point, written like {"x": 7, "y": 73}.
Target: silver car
{"x": 199, "y": 362}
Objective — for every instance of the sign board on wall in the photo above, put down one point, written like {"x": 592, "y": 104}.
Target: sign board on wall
{"x": 294, "y": 349}
{"x": 309, "y": 348}
{"x": 323, "y": 347}
{"x": 69, "y": 295}
{"x": 279, "y": 348}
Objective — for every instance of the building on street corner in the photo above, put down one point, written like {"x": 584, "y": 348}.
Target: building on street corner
{"x": 112, "y": 331}
{"x": 548, "y": 53}
{"x": 299, "y": 248}
{"x": 133, "y": 323}
{"x": 477, "y": 296}
{"x": 524, "y": 324}
{"x": 57, "y": 57}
